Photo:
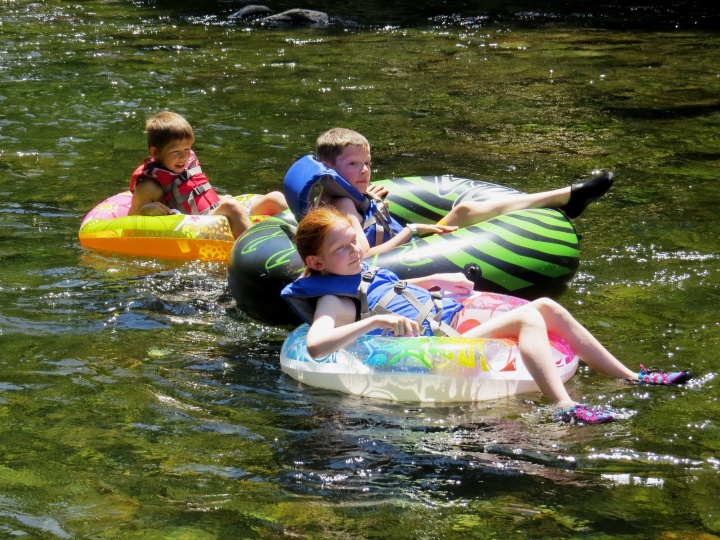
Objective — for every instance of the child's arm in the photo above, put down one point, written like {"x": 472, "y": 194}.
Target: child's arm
{"x": 346, "y": 206}
{"x": 334, "y": 325}
{"x": 404, "y": 236}
{"x": 455, "y": 283}
{"x": 146, "y": 200}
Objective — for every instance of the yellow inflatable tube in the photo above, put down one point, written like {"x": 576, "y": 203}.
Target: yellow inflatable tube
{"x": 107, "y": 227}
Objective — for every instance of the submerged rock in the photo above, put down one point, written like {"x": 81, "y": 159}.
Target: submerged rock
{"x": 298, "y": 17}
{"x": 251, "y": 12}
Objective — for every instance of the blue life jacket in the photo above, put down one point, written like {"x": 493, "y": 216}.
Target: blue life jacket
{"x": 308, "y": 174}
{"x": 375, "y": 291}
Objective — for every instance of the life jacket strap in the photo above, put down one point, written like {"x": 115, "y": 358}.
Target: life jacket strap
{"x": 380, "y": 217}
{"x": 367, "y": 277}
{"x": 437, "y": 326}
{"x": 178, "y": 200}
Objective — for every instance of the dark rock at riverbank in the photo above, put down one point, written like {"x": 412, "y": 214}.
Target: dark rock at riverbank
{"x": 298, "y": 17}
{"x": 291, "y": 17}
{"x": 251, "y": 12}
{"x": 626, "y": 14}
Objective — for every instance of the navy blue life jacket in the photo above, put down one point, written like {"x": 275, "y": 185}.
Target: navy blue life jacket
{"x": 308, "y": 174}
{"x": 375, "y": 291}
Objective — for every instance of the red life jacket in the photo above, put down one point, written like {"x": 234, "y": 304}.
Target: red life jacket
{"x": 190, "y": 192}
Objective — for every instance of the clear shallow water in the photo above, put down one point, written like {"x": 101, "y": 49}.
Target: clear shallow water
{"x": 137, "y": 402}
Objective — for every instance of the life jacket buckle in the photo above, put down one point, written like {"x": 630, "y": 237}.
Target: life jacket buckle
{"x": 369, "y": 274}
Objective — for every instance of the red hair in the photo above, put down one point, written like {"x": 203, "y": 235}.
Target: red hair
{"x": 314, "y": 227}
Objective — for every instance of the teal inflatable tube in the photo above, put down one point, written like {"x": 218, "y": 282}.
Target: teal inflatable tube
{"x": 528, "y": 253}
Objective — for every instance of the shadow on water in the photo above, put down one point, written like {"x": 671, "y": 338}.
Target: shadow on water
{"x": 615, "y": 14}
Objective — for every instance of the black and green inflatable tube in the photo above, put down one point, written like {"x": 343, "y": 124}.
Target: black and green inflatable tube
{"x": 527, "y": 253}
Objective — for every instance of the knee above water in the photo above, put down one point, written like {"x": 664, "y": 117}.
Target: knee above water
{"x": 471, "y": 208}
{"x": 231, "y": 203}
{"x": 532, "y": 318}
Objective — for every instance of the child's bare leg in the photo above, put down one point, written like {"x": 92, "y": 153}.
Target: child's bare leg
{"x": 471, "y": 212}
{"x": 560, "y": 322}
{"x": 526, "y": 324}
{"x": 269, "y": 204}
{"x": 234, "y": 211}
{"x": 572, "y": 200}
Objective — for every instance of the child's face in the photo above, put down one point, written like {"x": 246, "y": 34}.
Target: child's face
{"x": 174, "y": 156}
{"x": 353, "y": 164}
{"x": 340, "y": 254}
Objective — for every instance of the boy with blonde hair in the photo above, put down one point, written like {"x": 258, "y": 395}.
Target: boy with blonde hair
{"x": 172, "y": 181}
{"x": 347, "y": 152}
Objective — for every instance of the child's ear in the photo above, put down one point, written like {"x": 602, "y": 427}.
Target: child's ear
{"x": 154, "y": 152}
{"x": 313, "y": 263}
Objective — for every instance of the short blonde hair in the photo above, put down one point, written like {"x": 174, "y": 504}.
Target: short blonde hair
{"x": 166, "y": 127}
{"x": 331, "y": 144}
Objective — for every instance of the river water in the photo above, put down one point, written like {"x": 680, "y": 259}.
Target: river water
{"x": 136, "y": 401}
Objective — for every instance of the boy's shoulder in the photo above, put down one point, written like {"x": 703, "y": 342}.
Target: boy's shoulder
{"x": 343, "y": 203}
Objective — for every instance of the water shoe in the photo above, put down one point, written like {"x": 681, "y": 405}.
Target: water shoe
{"x": 582, "y": 194}
{"x": 653, "y": 375}
{"x": 583, "y": 414}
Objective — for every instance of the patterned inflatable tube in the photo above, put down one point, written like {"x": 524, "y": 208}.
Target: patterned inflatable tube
{"x": 426, "y": 369}
{"x": 107, "y": 227}
{"x": 528, "y": 253}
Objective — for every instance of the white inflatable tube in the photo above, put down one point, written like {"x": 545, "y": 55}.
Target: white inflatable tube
{"x": 420, "y": 369}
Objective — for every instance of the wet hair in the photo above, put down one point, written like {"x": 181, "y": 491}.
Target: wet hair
{"x": 331, "y": 144}
{"x": 313, "y": 228}
{"x": 167, "y": 127}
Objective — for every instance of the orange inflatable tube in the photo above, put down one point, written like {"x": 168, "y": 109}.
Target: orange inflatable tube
{"x": 107, "y": 227}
